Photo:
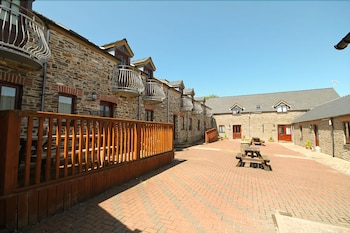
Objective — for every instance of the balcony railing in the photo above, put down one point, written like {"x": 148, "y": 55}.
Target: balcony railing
{"x": 197, "y": 108}
{"x": 208, "y": 113}
{"x": 186, "y": 103}
{"x": 22, "y": 37}
{"x": 128, "y": 81}
{"x": 154, "y": 92}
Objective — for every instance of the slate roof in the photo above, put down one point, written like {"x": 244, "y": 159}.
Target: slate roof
{"x": 333, "y": 108}
{"x": 144, "y": 61}
{"x": 297, "y": 100}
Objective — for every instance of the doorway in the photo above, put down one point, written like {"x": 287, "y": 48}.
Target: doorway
{"x": 284, "y": 133}
{"x": 236, "y": 131}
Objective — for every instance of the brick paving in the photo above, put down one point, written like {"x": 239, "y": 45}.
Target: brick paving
{"x": 204, "y": 191}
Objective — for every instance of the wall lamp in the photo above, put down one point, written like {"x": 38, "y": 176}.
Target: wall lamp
{"x": 343, "y": 43}
{"x": 94, "y": 96}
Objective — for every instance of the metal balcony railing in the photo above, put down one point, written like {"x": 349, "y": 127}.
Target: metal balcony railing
{"x": 197, "y": 108}
{"x": 128, "y": 80}
{"x": 22, "y": 36}
{"x": 186, "y": 103}
{"x": 208, "y": 113}
{"x": 154, "y": 91}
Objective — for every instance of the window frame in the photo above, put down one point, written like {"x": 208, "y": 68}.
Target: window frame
{"x": 72, "y": 104}
{"x": 18, "y": 93}
{"x": 149, "y": 115}
{"x": 282, "y": 108}
{"x": 105, "y": 104}
{"x": 221, "y": 128}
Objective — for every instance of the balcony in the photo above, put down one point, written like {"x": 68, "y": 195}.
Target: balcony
{"x": 153, "y": 92}
{"x": 129, "y": 82}
{"x": 208, "y": 113}
{"x": 197, "y": 108}
{"x": 186, "y": 104}
{"x": 22, "y": 38}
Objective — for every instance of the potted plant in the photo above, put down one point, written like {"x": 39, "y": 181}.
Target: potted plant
{"x": 308, "y": 144}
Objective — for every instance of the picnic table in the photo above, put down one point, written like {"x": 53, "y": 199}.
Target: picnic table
{"x": 252, "y": 155}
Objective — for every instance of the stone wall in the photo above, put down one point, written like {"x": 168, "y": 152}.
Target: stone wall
{"x": 341, "y": 150}
{"x": 263, "y": 125}
{"x": 79, "y": 68}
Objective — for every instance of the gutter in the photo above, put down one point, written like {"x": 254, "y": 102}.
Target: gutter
{"x": 332, "y": 135}
{"x": 44, "y": 73}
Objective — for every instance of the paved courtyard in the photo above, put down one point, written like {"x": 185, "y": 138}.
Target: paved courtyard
{"x": 204, "y": 191}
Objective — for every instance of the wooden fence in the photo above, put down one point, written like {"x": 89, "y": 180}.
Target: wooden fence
{"x": 51, "y": 161}
{"x": 211, "y": 135}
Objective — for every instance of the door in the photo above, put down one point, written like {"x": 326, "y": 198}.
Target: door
{"x": 236, "y": 131}
{"x": 284, "y": 133}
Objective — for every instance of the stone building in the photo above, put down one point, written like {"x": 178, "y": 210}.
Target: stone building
{"x": 327, "y": 127}
{"x": 48, "y": 67}
{"x": 267, "y": 116}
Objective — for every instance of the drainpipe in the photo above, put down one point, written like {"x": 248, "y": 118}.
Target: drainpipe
{"x": 139, "y": 108}
{"x": 332, "y": 132}
{"x": 44, "y": 75}
{"x": 168, "y": 106}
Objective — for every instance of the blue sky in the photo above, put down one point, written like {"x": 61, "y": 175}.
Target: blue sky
{"x": 224, "y": 48}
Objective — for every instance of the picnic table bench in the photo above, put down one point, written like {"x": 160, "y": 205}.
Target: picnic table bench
{"x": 257, "y": 141}
{"x": 254, "y": 157}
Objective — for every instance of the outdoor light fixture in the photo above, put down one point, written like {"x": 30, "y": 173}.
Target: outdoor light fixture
{"x": 94, "y": 96}
{"x": 343, "y": 43}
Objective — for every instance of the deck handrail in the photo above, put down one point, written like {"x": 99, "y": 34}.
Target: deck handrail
{"x": 39, "y": 147}
{"x": 23, "y": 32}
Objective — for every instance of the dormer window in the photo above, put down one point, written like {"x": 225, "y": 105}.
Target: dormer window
{"x": 236, "y": 109}
{"x": 281, "y": 107}
{"x": 122, "y": 56}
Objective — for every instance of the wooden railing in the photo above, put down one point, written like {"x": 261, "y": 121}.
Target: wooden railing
{"x": 211, "y": 135}
{"x": 40, "y": 147}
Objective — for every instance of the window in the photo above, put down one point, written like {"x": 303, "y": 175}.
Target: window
{"x": 199, "y": 125}
{"x": 347, "y": 132}
{"x": 301, "y": 132}
{"x": 281, "y": 108}
{"x": 149, "y": 115}
{"x": 9, "y": 97}
{"x": 236, "y": 110}
{"x": 65, "y": 104}
{"x": 106, "y": 109}
{"x": 258, "y": 107}
{"x": 190, "y": 125}
{"x": 122, "y": 56}
{"x": 221, "y": 129}
{"x": 183, "y": 123}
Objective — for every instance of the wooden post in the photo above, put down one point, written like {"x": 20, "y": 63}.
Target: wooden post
{"x": 9, "y": 150}
{"x": 137, "y": 145}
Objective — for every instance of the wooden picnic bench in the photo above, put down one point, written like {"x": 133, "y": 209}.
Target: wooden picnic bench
{"x": 257, "y": 141}
{"x": 254, "y": 157}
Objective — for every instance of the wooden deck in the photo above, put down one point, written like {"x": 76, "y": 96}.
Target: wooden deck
{"x": 50, "y": 161}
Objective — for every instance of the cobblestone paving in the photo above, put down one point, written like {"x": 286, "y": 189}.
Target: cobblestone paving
{"x": 204, "y": 191}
